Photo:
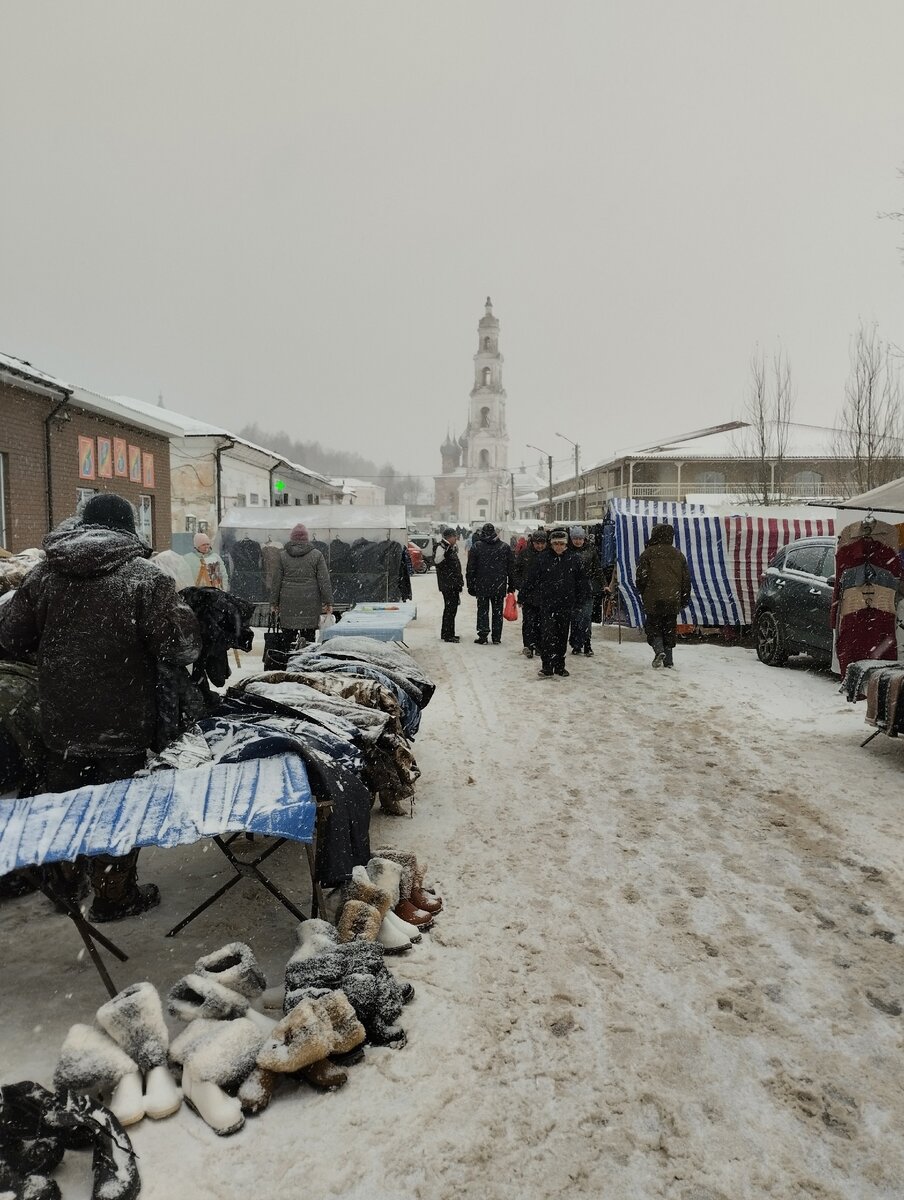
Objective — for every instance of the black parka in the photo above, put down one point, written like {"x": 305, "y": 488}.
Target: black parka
{"x": 559, "y": 583}
{"x": 490, "y": 566}
{"x": 449, "y": 578}
{"x": 99, "y": 617}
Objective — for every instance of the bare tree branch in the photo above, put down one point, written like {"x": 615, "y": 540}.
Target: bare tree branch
{"x": 869, "y": 445}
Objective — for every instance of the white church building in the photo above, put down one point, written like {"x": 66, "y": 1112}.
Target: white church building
{"x": 476, "y": 484}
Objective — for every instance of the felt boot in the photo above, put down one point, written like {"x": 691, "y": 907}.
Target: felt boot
{"x": 302, "y": 1037}
{"x": 658, "y": 653}
{"x": 195, "y": 996}
{"x": 411, "y": 884}
{"x": 364, "y": 995}
{"x": 235, "y": 967}
{"x": 216, "y": 1062}
{"x": 324, "y": 1075}
{"x": 134, "y": 1020}
{"x": 667, "y": 660}
{"x": 91, "y": 1062}
{"x": 359, "y": 921}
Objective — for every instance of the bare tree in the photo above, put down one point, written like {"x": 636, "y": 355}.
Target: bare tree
{"x": 768, "y": 409}
{"x": 869, "y": 445}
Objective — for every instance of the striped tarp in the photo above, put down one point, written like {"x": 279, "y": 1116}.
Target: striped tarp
{"x": 752, "y": 544}
{"x": 726, "y": 555}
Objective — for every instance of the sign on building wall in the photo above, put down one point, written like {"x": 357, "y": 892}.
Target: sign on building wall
{"x": 135, "y": 464}
{"x": 86, "y": 461}
{"x": 120, "y": 458}
{"x": 104, "y": 458}
{"x": 148, "y": 470}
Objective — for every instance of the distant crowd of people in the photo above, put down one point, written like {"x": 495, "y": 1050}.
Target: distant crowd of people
{"x": 557, "y": 579}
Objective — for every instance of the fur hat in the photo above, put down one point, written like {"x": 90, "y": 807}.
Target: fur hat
{"x": 558, "y": 533}
{"x": 539, "y": 535}
{"x": 577, "y": 531}
{"x": 110, "y": 511}
{"x": 299, "y": 533}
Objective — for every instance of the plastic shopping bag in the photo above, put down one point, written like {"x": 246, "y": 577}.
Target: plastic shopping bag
{"x": 326, "y": 620}
{"x": 510, "y": 608}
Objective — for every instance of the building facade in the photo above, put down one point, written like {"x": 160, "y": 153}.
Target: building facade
{"x": 60, "y": 444}
{"x": 475, "y": 484}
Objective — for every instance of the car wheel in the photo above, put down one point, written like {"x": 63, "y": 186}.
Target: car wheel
{"x": 771, "y": 640}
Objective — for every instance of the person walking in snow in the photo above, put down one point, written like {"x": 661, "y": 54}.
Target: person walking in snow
{"x": 557, "y": 587}
{"x": 206, "y": 566}
{"x": 582, "y": 617}
{"x": 300, "y": 591}
{"x": 663, "y": 583}
{"x": 100, "y": 618}
{"x": 449, "y": 580}
{"x": 489, "y": 577}
{"x": 525, "y": 565}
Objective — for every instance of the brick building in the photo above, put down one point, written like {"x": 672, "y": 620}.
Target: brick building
{"x": 60, "y": 444}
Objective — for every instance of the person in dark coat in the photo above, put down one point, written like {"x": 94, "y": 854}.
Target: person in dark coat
{"x": 100, "y": 618}
{"x": 525, "y": 565}
{"x": 557, "y": 587}
{"x": 582, "y": 617}
{"x": 449, "y": 580}
{"x": 663, "y": 583}
{"x": 300, "y": 589}
{"x": 489, "y": 577}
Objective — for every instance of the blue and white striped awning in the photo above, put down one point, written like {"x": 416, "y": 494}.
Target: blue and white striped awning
{"x": 702, "y": 541}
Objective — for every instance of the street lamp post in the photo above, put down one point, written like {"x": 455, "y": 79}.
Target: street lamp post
{"x": 578, "y": 497}
{"x": 549, "y": 465}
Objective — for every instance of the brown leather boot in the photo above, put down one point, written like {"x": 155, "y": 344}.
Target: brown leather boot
{"x": 414, "y": 916}
{"x": 422, "y": 899}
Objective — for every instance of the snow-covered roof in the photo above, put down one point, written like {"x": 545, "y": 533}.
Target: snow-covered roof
{"x": 728, "y": 441}
{"x": 23, "y": 371}
{"x": 185, "y": 426}
{"x": 889, "y": 498}
{"x": 157, "y": 420}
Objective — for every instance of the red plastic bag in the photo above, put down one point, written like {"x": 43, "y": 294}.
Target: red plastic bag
{"x": 510, "y": 608}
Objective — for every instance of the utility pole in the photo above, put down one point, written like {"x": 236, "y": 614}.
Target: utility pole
{"x": 578, "y": 495}
{"x": 512, "y": 478}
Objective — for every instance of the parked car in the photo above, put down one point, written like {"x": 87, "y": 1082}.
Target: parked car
{"x": 794, "y": 602}
{"x": 417, "y": 559}
{"x": 426, "y": 543}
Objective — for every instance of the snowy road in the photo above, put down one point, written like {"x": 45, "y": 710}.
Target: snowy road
{"x": 670, "y": 965}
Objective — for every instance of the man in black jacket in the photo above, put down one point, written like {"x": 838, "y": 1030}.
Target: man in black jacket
{"x": 525, "y": 564}
{"x": 449, "y": 581}
{"x": 558, "y": 586}
{"x": 99, "y": 618}
{"x": 489, "y": 577}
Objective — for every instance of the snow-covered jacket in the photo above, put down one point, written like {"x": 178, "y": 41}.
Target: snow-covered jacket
{"x": 490, "y": 566}
{"x": 100, "y": 617}
{"x": 300, "y": 587}
{"x": 558, "y": 584}
{"x": 662, "y": 578}
{"x": 449, "y": 578}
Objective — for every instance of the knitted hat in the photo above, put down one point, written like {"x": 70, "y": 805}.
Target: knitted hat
{"x": 199, "y": 540}
{"x": 489, "y": 530}
{"x": 299, "y": 533}
{"x": 110, "y": 511}
{"x": 539, "y": 535}
{"x": 450, "y": 532}
{"x": 577, "y": 531}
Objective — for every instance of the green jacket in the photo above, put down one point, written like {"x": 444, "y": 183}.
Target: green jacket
{"x": 663, "y": 580}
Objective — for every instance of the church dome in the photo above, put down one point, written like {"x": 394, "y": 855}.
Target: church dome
{"x": 488, "y": 321}
{"x": 450, "y": 443}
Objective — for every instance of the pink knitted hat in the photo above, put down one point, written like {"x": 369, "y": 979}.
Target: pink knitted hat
{"x": 299, "y": 533}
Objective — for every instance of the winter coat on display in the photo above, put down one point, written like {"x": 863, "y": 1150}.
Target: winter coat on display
{"x": 301, "y": 586}
{"x": 223, "y": 620}
{"x": 270, "y": 552}
{"x": 662, "y": 579}
{"x": 593, "y": 566}
{"x": 410, "y": 712}
{"x": 246, "y": 570}
{"x": 20, "y": 721}
{"x": 868, "y": 587}
{"x": 406, "y": 570}
{"x": 100, "y": 617}
{"x": 490, "y": 567}
{"x": 342, "y": 571}
{"x": 558, "y": 584}
{"x": 392, "y": 660}
{"x": 449, "y": 578}
{"x": 207, "y": 570}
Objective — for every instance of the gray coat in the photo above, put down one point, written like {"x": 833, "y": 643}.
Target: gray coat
{"x": 300, "y": 586}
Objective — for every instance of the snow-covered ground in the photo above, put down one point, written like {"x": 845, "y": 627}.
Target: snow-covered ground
{"x": 670, "y": 963}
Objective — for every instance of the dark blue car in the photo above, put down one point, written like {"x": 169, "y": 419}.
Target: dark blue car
{"x": 793, "y": 603}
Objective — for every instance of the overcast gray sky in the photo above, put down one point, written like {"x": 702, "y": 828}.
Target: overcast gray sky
{"x": 292, "y": 212}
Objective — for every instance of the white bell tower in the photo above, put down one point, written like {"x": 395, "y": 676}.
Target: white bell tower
{"x": 484, "y": 494}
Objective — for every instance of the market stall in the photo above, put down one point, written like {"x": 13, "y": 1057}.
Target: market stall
{"x": 364, "y": 547}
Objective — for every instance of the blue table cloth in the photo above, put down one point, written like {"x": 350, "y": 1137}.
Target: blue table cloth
{"x": 270, "y": 796}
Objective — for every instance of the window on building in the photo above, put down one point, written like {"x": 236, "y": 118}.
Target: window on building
{"x": 240, "y": 500}
{"x": 487, "y": 376}
{"x": 4, "y": 535}
{"x": 254, "y": 498}
{"x": 713, "y": 480}
{"x": 82, "y": 496}
{"x": 145, "y": 519}
{"x": 486, "y": 343}
{"x": 482, "y": 506}
{"x": 807, "y": 482}
{"x": 484, "y": 460}
{"x": 484, "y": 418}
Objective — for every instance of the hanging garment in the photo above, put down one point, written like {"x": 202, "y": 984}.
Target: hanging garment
{"x": 246, "y": 570}
{"x": 224, "y": 626}
{"x": 868, "y": 584}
